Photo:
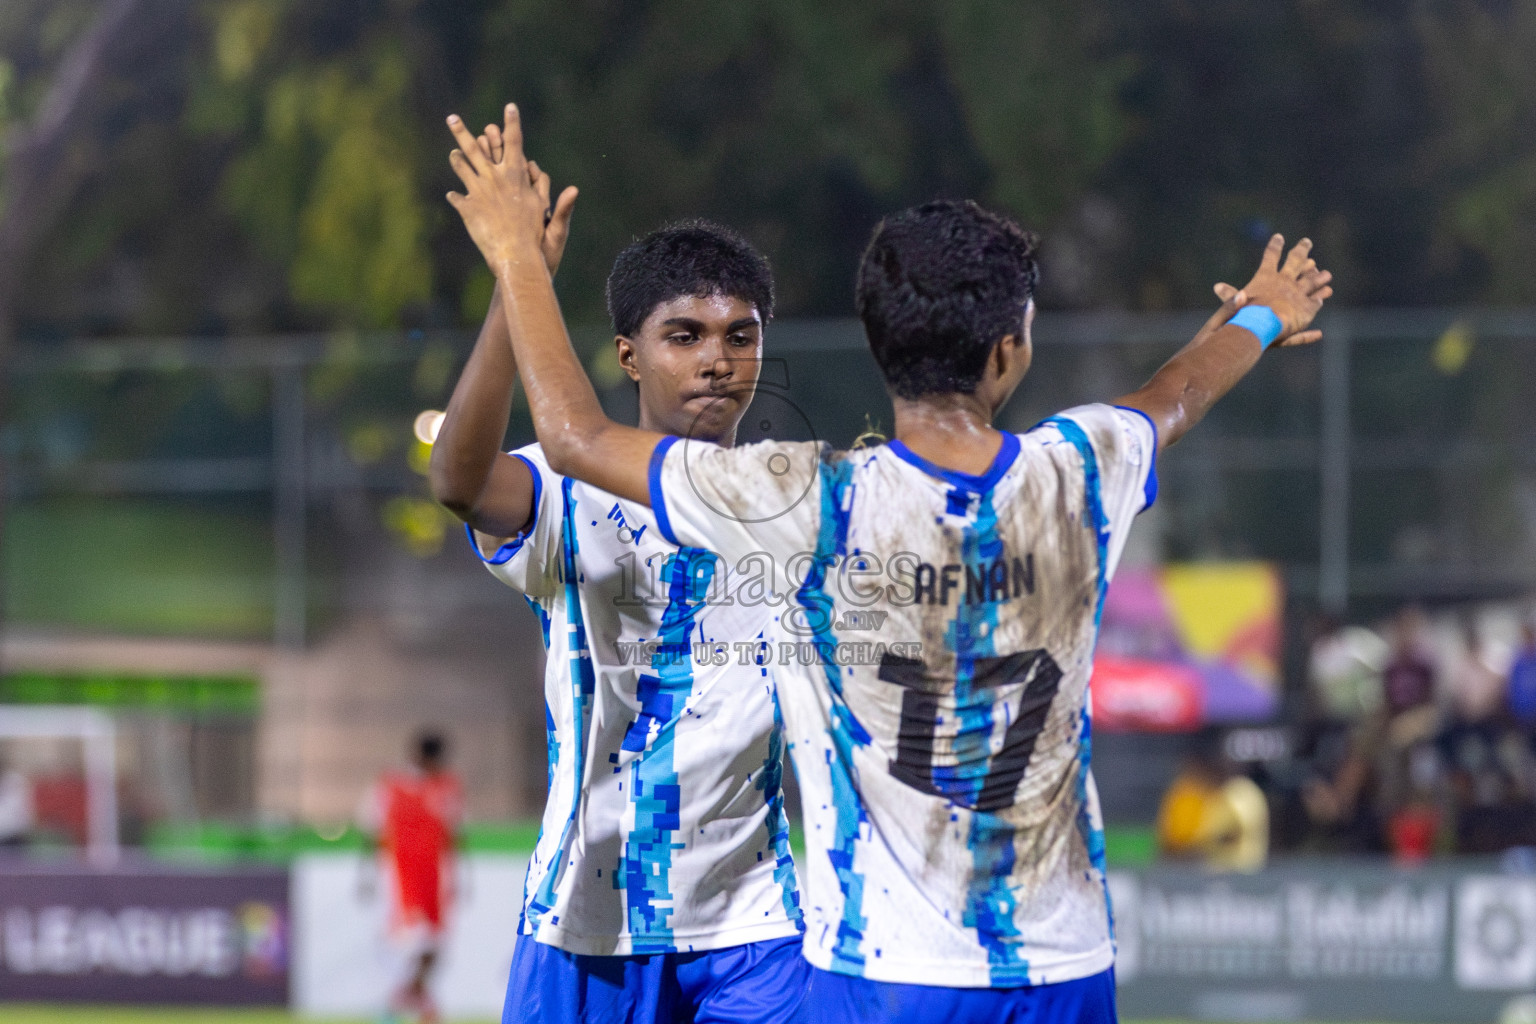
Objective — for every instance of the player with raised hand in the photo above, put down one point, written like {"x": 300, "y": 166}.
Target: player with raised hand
{"x": 661, "y": 888}
{"x": 953, "y": 835}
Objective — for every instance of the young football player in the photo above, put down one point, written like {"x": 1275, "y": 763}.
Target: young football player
{"x": 662, "y": 887}
{"x": 414, "y": 816}
{"x": 953, "y": 837}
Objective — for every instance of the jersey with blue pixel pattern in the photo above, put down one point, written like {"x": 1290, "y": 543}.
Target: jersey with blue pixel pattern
{"x": 933, "y": 654}
{"x": 664, "y": 829}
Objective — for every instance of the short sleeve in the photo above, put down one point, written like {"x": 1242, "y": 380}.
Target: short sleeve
{"x": 1123, "y": 443}
{"x": 763, "y": 497}
{"x": 528, "y": 562}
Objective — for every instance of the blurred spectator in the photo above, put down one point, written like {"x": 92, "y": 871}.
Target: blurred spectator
{"x": 1493, "y": 812}
{"x": 1521, "y": 691}
{"x": 1413, "y": 824}
{"x": 1410, "y": 775}
{"x": 1477, "y": 688}
{"x": 1490, "y": 769}
{"x": 1435, "y": 768}
{"x": 1408, "y": 681}
{"x": 1181, "y": 817}
{"x": 1236, "y": 826}
{"x": 1215, "y": 814}
{"x": 1344, "y": 670}
{"x": 16, "y": 808}
{"x": 1338, "y": 796}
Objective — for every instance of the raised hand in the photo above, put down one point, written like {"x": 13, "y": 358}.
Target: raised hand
{"x": 557, "y": 222}
{"x": 557, "y": 226}
{"x": 1180, "y": 394}
{"x": 1295, "y": 290}
{"x": 505, "y": 204}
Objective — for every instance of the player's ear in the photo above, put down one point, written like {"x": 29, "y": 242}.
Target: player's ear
{"x": 1010, "y": 358}
{"x": 1006, "y": 367}
{"x": 628, "y": 353}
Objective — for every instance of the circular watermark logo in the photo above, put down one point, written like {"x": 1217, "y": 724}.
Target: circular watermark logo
{"x": 787, "y": 473}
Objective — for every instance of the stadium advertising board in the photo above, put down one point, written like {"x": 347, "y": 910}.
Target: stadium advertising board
{"x": 348, "y": 959}
{"x": 1181, "y": 646}
{"x": 144, "y": 935}
{"x": 1324, "y": 941}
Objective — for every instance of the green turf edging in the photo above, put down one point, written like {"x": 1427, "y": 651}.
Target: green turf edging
{"x": 1125, "y": 846}
{"x": 221, "y": 843}
{"x": 1130, "y": 846}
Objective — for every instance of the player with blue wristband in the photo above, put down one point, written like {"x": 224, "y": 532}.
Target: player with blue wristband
{"x": 953, "y": 835}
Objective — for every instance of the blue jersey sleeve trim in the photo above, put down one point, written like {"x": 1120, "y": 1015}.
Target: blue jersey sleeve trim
{"x": 658, "y": 499}
{"x": 504, "y": 554}
{"x": 1006, "y": 455}
{"x": 1149, "y": 492}
{"x": 1076, "y": 436}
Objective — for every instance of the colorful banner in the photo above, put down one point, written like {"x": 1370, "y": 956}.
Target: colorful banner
{"x": 1182, "y": 646}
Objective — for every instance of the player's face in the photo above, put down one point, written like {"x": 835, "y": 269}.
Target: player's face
{"x": 696, "y": 361}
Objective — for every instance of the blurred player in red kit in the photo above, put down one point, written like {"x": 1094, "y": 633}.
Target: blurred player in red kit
{"x": 414, "y": 815}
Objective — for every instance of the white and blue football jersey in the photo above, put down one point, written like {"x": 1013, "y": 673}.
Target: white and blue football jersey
{"x": 665, "y": 829}
{"x": 933, "y": 650}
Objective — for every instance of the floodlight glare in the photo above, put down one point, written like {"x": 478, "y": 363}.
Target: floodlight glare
{"x": 427, "y": 425}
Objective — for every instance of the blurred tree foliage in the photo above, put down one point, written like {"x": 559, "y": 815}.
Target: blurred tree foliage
{"x": 58, "y": 98}
{"x": 1480, "y": 72}
{"x": 325, "y": 165}
{"x": 279, "y": 164}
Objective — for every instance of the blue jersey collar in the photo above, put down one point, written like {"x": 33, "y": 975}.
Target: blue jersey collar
{"x": 1006, "y": 455}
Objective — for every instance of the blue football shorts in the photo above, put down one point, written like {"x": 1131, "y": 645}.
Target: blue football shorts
{"x": 755, "y": 983}
{"x": 841, "y": 999}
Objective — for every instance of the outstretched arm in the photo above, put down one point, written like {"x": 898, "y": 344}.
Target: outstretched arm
{"x": 470, "y": 475}
{"x": 1180, "y": 394}
{"x": 504, "y": 213}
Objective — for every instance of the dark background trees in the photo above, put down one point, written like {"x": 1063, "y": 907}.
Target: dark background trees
{"x": 256, "y": 165}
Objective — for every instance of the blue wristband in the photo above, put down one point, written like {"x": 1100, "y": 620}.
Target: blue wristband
{"x": 1260, "y": 321}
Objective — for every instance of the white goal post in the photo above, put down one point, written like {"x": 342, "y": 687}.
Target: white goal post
{"x": 97, "y": 734}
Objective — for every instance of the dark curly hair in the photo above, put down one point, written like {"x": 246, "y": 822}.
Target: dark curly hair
{"x": 691, "y": 257}
{"x": 939, "y": 285}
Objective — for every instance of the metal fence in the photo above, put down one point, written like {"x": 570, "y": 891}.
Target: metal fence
{"x": 1396, "y": 460}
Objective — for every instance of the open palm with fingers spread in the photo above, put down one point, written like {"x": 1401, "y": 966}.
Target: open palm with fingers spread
{"x": 505, "y": 203}
{"x": 1295, "y": 289}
